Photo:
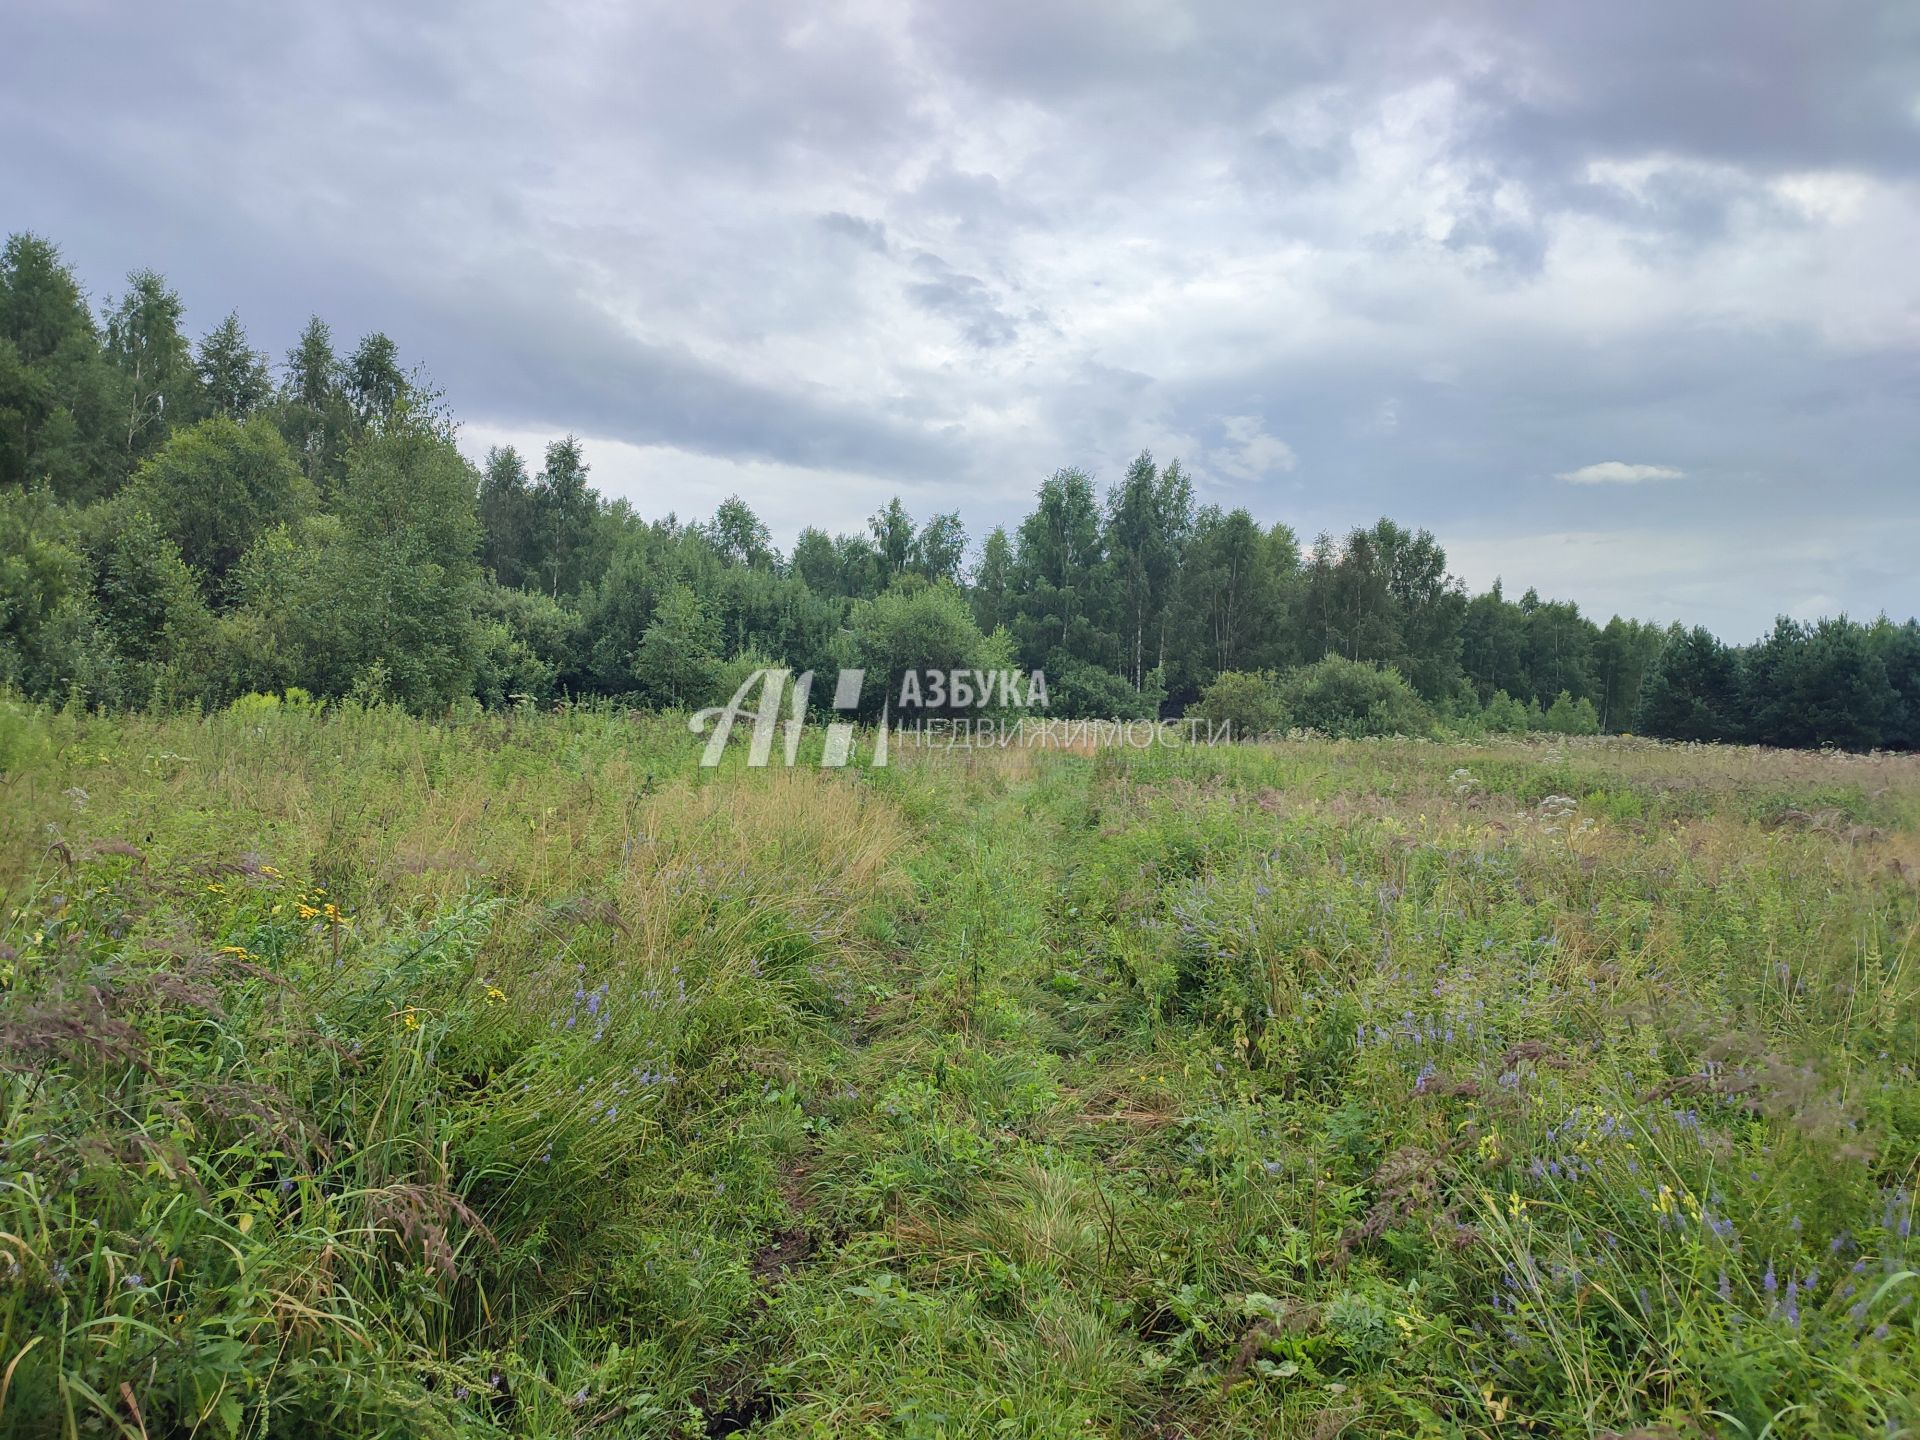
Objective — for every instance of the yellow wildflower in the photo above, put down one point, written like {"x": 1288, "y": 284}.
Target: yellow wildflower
{"x": 495, "y": 994}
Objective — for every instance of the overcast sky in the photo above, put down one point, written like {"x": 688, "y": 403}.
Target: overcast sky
{"x": 1622, "y": 301}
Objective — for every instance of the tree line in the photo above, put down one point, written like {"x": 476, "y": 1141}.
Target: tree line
{"x": 184, "y": 522}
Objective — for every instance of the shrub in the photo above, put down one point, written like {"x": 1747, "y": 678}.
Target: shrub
{"x": 679, "y": 651}
{"x": 525, "y": 640}
{"x": 292, "y": 701}
{"x": 43, "y": 595}
{"x": 1349, "y": 698}
{"x": 1567, "y": 716}
{"x": 1246, "y": 700}
{"x": 1506, "y": 715}
{"x": 1077, "y": 690}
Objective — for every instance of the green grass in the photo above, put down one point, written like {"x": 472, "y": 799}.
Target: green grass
{"x": 512, "y": 1076}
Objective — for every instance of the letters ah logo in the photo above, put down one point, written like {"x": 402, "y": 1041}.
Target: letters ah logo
{"x": 772, "y": 683}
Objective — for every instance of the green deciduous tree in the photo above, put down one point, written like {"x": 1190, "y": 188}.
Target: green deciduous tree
{"x": 816, "y": 561}
{"x": 216, "y": 487}
{"x": 740, "y": 536}
{"x": 617, "y": 613}
{"x": 374, "y": 383}
{"x": 152, "y": 624}
{"x": 563, "y": 511}
{"x": 1149, "y": 523}
{"x": 525, "y": 642}
{"x": 43, "y": 595}
{"x": 940, "y": 547}
{"x": 1567, "y": 716}
{"x": 1505, "y": 715}
{"x": 1384, "y": 596}
{"x": 1622, "y": 654}
{"x": 992, "y": 592}
{"x": 916, "y": 627}
{"x": 1559, "y": 648}
{"x": 1493, "y": 645}
{"x": 508, "y": 525}
{"x": 892, "y": 530}
{"x": 1232, "y": 596}
{"x": 1059, "y": 575}
{"x": 145, "y": 342}
{"x": 679, "y": 653}
{"x": 383, "y": 602}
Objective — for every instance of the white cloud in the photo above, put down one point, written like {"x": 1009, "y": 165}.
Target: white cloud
{"x": 1250, "y": 452}
{"x": 1618, "y": 472}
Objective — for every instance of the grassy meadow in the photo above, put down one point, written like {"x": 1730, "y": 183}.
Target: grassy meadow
{"x": 510, "y": 1075}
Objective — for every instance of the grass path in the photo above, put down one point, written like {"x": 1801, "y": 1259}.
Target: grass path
{"x": 1009, "y": 1226}
{"x": 959, "y": 1223}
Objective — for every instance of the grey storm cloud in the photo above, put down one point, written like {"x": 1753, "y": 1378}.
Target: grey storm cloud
{"x": 966, "y": 299}
{"x": 870, "y": 234}
{"x": 1342, "y": 259}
